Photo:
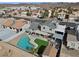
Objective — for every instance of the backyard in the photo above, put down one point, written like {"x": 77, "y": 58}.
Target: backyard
{"x": 41, "y": 46}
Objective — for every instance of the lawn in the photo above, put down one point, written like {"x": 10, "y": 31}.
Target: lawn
{"x": 41, "y": 42}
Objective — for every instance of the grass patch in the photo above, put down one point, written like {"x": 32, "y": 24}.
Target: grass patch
{"x": 41, "y": 42}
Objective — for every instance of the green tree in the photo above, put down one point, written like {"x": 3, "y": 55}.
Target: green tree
{"x": 45, "y": 14}
{"x": 28, "y": 13}
{"x": 53, "y": 11}
{"x": 70, "y": 10}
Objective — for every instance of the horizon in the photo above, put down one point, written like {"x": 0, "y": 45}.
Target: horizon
{"x": 33, "y": 2}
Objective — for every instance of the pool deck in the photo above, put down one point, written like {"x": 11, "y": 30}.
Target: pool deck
{"x": 15, "y": 40}
{"x": 6, "y": 33}
{"x": 7, "y": 50}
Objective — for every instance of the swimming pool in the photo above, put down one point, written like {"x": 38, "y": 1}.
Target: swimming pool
{"x": 24, "y": 43}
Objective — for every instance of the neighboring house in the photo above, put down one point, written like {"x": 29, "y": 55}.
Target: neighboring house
{"x": 77, "y": 32}
{"x": 2, "y": 12}
{"x": 23, "y": 13}
{"x": 33, "y": 26}
{"x": 50, "y": 13}
{"x": 34, "y": 13}
{"x": 40, "y": 13}
{"x": 69, "y": 25}
{"x": 76, "y": 13}
{"x": 72, "y": 40}
{"x": 7, "y": 23}
{"x": 18, "y": 8}
{"x": 34, "y": 8}
{"x": 72, "y": 17}
{"x": 13, "y": 13}
{"x": 16, "y": 25}
{"x": 61, "y": 15}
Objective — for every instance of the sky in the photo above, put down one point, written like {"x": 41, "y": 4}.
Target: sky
{"x": 33, "y": 1}
{"x": 39, "y": 1}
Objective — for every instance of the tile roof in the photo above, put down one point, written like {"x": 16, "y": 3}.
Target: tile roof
{"x": 19, "y": 23}
{"x": 8, "y": 22}
{"x": 15, "y": 23}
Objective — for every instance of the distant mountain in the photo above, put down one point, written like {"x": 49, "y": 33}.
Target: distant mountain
{"x": 41, "y": 4}
{"x": 23, "y": 2}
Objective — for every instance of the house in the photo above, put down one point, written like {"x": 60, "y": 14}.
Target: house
{"x": 7, "y": 23}
{"x": 33, "y": 26}
{"x": 72, "y": 40}
{"x": 18, "y": 8}
{"x": 20, "y": 25}
{"x": 76, "y": 13}
{"x": 34, "y": 13}
{"x": 16, "y": 25}
{"x": 40, "y": 13}
{"x": 59, "y": 32}
{"x": 77, "y": 32}
{"x": 61, "y": 15}
{"x": 72, "y": 17}
{"x": 48, "y": 26}
{"x": 13, "y": 13}
{"x": 34, "y": 8}
{"x": 24, "y": 13}
{"x": 50, "y": 13}
{"x": 58, "y": 36}
{"x": 69, "y": 25}
{"x": 2, "y": 12}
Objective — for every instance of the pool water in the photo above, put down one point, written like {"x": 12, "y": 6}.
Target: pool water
{"x": 24, "y": 43}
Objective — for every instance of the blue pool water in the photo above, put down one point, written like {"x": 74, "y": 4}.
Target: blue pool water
{"x": 24, "y": 43}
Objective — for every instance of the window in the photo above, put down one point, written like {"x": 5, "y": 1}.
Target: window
{"x": 73, "y": 44}
{"x": 32, "y": 29}
{"x": 3, "y": 26}
{"x": 78, "y": 47}
{"x": 59, "y": 32}
{"x": 53, "y": 38}
{"x": 10, "y": 28}
{"x": 17, "y": 30}
{"x": 50, "y": 29}
{"x": 20, "y": 29}
{"x": 39, "y": 27}
{"x": 43, "y": 27}
{"x": 58, "y": 41}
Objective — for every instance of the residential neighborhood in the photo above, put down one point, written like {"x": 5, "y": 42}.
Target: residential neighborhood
{"x": 37, "y": 31}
